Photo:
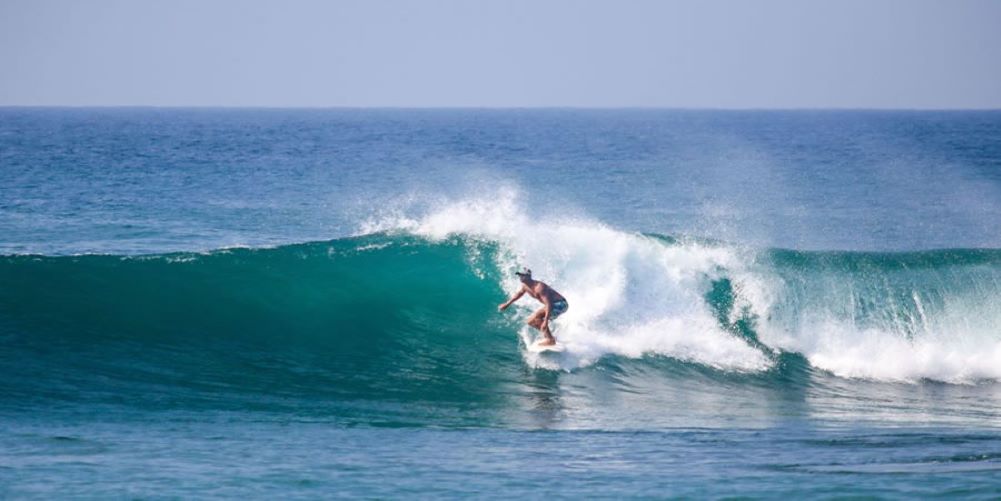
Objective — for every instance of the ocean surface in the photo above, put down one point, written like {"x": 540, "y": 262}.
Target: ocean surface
{"x": 273, "y": 303}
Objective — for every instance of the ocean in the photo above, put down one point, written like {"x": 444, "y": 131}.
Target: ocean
{"x": 302, "y": 303}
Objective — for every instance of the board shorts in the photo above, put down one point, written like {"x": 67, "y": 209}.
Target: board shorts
{"x": 558, "y": 308}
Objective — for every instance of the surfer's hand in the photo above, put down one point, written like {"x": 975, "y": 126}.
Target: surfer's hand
{"x": 501, "y": 307}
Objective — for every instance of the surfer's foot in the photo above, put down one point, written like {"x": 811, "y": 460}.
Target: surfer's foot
{"x": 547, "y": 342}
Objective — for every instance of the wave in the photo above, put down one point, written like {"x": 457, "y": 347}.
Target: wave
{"x": 409, "y": 307}
{"x": 360, "y": 318}
{"x": 903, "y": 316}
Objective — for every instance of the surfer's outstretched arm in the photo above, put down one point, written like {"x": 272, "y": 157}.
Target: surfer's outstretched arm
{"x": 515, "y": 297}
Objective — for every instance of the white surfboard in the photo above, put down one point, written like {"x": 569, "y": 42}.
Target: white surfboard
{"x": 545, "y": 348}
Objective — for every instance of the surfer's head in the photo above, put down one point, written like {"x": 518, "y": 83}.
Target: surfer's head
{"x": 525, "y": 274}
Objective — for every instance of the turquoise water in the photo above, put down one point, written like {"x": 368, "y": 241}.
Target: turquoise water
{"x": 302, "y": 303}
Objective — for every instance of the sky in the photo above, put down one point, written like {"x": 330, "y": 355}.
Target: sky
{"x": 517, "y": 53}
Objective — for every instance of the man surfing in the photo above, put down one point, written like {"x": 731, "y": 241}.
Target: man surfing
{"x": 553, "y": 304}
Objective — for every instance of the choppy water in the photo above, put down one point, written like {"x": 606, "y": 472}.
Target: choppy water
{"x": 303, "y": 303}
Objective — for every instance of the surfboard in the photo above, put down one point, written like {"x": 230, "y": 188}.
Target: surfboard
{"x": 544, "y": 348}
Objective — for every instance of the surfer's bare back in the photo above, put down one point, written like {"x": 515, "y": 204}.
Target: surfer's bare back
{"x": 553, "y": 304}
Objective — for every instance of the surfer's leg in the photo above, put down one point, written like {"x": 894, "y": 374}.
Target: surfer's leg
{"x": 535, "y": 319}
{"x": 548, "y": 334}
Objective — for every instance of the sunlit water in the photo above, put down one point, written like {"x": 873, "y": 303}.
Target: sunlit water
{"x": 302, "y": 303}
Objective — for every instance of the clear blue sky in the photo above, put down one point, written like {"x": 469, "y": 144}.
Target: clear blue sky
{"x": 702, "y": 54}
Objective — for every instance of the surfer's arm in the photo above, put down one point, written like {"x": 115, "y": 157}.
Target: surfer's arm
{"x": 515, "y": 297}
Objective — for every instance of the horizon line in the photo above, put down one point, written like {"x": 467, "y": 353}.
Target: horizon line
{"x": 483, "y": 108}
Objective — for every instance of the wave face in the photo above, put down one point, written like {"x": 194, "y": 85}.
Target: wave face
{"x": 371, "y": 318}
{"x": 407, "y": 312}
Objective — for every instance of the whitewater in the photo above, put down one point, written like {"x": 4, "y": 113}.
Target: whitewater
{"x": 891, "y": 316}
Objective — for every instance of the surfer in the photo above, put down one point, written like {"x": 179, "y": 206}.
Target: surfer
{"x": 553, "y": 304}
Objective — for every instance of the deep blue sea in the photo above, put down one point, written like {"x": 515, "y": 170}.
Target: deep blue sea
{"x": 270, "y": 303}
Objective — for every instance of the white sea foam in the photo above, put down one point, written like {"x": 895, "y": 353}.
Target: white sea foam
{"x": 629, "y": 294}
{"x": 957, "y": 343}
{"x": 635, "y": 296}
